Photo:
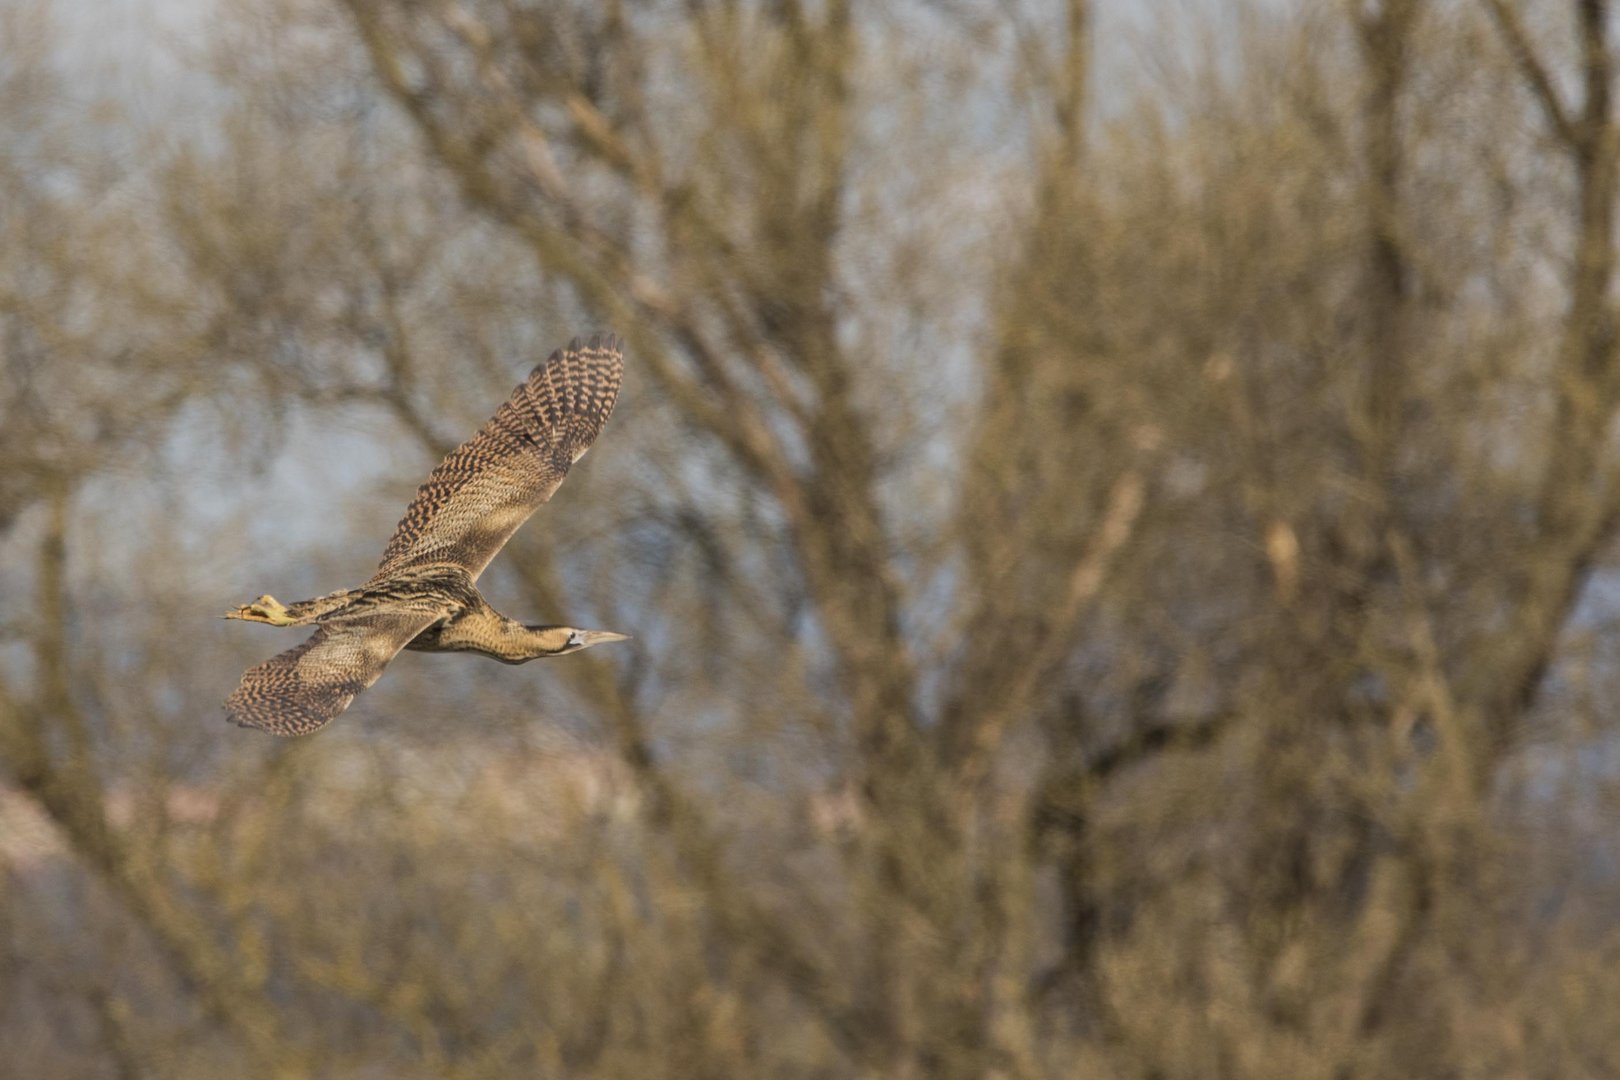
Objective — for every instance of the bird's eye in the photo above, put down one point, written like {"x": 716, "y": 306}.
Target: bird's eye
{"x": 576, "y": 638}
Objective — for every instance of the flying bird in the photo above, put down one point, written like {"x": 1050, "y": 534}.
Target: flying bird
{"x": 424, "y": 594}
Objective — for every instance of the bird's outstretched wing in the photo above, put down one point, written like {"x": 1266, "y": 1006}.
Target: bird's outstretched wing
{"x": 304, "y": 688}
{"x": 489, "y": 485}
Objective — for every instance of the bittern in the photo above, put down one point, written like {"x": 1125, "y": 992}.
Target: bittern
{"x": 424, "y": 594}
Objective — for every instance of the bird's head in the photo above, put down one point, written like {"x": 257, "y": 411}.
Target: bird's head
{"x": 557, "y": 640}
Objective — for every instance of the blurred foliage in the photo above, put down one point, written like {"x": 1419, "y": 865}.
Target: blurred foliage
{"x": 1117, "y": 526}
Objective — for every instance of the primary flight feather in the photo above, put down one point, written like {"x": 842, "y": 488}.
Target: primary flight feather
{"x": 423, "y": 595}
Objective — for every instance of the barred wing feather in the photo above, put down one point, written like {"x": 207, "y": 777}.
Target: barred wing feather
{"x": 487, "y": 487}
{"x": 306, "y": 687}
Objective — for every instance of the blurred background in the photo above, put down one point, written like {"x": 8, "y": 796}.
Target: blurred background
{"x": 1115, "y": 505}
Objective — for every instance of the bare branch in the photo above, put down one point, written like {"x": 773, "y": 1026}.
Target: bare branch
{"x": 1506, "y": 16}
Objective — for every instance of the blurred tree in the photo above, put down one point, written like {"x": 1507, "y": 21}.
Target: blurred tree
{"x": 1120, "y": 559}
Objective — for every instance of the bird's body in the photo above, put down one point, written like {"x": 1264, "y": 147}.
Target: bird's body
{"x": 424, "y": 596}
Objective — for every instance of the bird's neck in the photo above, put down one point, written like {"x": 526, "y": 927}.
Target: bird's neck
{"x": 517, "y": 642}
{"x": 485, "y": 631}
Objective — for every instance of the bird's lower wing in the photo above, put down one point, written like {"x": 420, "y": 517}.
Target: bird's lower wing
{"x": 304, "y": 688}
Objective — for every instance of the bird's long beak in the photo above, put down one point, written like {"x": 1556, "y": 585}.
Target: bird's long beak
{"x": 596, "y": 637}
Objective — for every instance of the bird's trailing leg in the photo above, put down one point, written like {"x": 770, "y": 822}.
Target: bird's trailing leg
{"x": 266, "y": 609}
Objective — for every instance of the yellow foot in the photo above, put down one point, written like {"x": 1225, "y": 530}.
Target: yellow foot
{"x": 266, "y": 609}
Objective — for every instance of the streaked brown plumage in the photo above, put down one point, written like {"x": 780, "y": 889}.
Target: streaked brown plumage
{"x": 424, "y": 595}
